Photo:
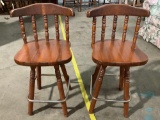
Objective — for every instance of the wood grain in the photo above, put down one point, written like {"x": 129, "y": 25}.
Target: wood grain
{"x": 45, "y": 53}
{"x": 118, "y": 53}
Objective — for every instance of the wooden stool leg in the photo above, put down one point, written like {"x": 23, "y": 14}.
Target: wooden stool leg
{"x": 39, "y": 77}
{"x": 60, "y": 88}
{"x": 94, "y": 76}
{"x": 126, "y": 91}
{"x": 121, "y": 78}
{"x": 31, "y": 90}
{"x": 97, "y": 88}
{"x": 66, "y": 77}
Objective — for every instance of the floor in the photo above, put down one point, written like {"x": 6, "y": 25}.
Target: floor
{"x": 144, "y": 80}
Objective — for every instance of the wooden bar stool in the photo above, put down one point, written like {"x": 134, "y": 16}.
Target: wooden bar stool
{"x": 115, "y": 52}
{"x": 44, "y": 52}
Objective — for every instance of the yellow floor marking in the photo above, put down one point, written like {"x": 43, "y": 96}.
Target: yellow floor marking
{"x": 78, "y": 75}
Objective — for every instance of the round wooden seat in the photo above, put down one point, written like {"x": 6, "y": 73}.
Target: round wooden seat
{"x": 120, "y": 53}
{"x": 44, "y": 53}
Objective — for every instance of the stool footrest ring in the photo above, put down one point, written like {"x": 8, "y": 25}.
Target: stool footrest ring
{"x": 53, "y": 101}
{"x": 108, "y": 100}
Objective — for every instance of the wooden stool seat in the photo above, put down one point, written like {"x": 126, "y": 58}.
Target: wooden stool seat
{"x": 120, "y": 53}
{"x": 45, "y": 53}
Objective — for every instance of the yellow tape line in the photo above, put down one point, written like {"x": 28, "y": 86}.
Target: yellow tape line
{"x": 78, "y": 75}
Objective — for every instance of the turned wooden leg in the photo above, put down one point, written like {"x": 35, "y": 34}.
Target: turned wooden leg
{"x": 66, "y": 77}
{"x": 121, "y": 78}
{"x": 60, "y": 88}
{"x": 97, "y": 87}
{"x": 31, "y": 90}
{"x": 126, "y": 91}
{"x": 39, "y": 77}
{"x": 94, "y": 76}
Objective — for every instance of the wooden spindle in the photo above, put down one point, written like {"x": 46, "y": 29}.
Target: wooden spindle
{"x": 34, "y": 27}
{"x": 46, "y": 27}
{"x": 103, "y": 28}
{"x": 125, "y": 28}
{"x": 23, "y": 29}
{"x": 67, "y": 28}
{"x": 56, "y": 26}
{"x": 114, "y": 27}
{"x": 136, "y": 31}
{"x": 93, "y": 30}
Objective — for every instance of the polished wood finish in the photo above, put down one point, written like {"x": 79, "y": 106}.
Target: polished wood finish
{"x": 31, "y": 90}
{"x": 46, "y": 27}
{"x": 116, "y": 52}
{"x": 34, "y": 27}
{"x": 22, "y": 29}
{"x": 103, "y": 28}
{"x": 42, "y": 9}
{"x": 67, "y": 28}
{"x": 136, "y": 31}
{"x": 66, "y": 77}
{"x": 116, "y": 9}
{"x": 44, "y": 52}
{"x": 126, "y": 91}
{"x": 93, "y": 30}
{"x": 125, "y": 28}
{"x": 114, "y": 27}
{"x": 56, "y": 26}
{"x": 94, "y": 76}
{"x": 39, "y": 77}
{"x": 97, "y": 87}
{"x": 60, "y": 88}
{"x": 121, "y": 78}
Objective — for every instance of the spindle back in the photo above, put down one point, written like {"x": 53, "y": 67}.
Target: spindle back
{"x": 43, "y": 9}
{"x": 116, "y": 10}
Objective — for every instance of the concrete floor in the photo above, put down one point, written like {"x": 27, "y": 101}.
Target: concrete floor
{"x": 144, "y": 80}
